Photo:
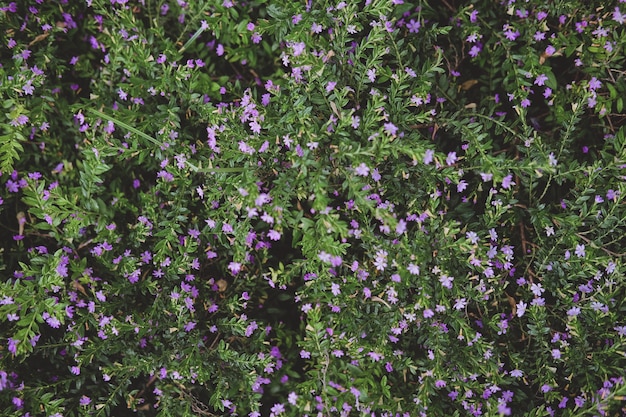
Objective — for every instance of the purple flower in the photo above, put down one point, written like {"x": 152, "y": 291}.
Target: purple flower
{"x": 273, "y": 235}
{"x": 190, "y": 326}
{"x": 503, "y": 410}
{"x": 251, "y": 328}
{"x": 573, "y": 312}
{"x": 277, "y": 409}
{"x": 507, "y": 182}
{"x": 536, "y": 289}
{"x": 12, "y": 345}
{"x": 390, "y": 129}
{"x": 429, "y": 155}
{"x": 362, "y": 170}
{"x": 580, "y": 251}
{"x": 20, "y": 120}
{"x": 579, "y": 401}
{"x": 18, "y": 402}
{"x": 380, "y": 261}
{"x": 451, "y": 158}
{"x": 234, "y": 267}
{"x": 541, "y": 79}
{"x": 474, "y": 50}
{"x": 621, "y": 330}
{"x": 460, "y": 303}
{"x": 413, "y": 26}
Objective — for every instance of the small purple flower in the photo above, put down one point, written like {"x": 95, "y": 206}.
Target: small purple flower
{"x": 390, "y": 129}
{"x": 362, "y": 170}
{"x": 451, "y": 158}
{"x": 580, "y": 251}
{"x": 429, "y": 155}
{"x": 541, "y": 79}
{"x": 234, "y": 267}
{"x": 20, "y": 120}
{"x": 273, "y": 235}
{"x": 475, "y": 50}
{"x": 507, "y": 182}
{"x": 573, "y": 312}
{"x": 12, "y": 345}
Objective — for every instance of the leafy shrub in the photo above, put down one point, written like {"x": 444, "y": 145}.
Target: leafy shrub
{"x": 276, "y": 208}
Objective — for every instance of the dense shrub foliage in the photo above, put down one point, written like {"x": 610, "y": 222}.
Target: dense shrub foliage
{"x": 312, "y": 208}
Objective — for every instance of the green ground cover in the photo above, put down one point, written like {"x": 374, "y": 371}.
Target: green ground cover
{"x": 312, "y": 208}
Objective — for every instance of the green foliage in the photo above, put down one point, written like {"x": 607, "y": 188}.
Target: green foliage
{"x": 312, "y": 208}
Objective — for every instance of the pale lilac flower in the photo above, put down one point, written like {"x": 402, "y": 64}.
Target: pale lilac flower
{"x": 618, "y": 16}
{"x": 541, "y": 79}
{"x": 273, "y": 235}
{"x": 537, "y": 289}
{"x": 573, "y": 312}
{"x": 429, "y": 156}
{"x": 474, "y": 50}
{"x": 580, "y": 251}
{"x": 451, "y": 158}
{"x": 460, "y": 303}
{"x": 552, "y": 159}
{"x": 362, "y": 170}
{"x": 486, "y": 177}
{"x": 472, "y": 237}
{"x": 390, "y": 129}
{"x": 594, "y": 84}
{"x": 234, "y": 267}
{"x": 12, "y": 345}
{"x": 298, "y": 48}
{"x": 380, "y": 260}
{"x": 507, "y": 182}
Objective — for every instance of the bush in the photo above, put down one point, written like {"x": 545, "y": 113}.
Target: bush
{"x": 276, "y": 208}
